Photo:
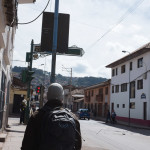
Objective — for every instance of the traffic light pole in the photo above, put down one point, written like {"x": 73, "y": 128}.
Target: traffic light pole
{"x": 29, "y": 84}
{"x": 54, "y": 49}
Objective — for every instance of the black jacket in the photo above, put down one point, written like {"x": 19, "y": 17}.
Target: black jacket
{"x": 32, "y": 139}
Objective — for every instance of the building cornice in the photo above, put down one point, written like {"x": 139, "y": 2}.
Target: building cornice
{"x": 102, "y": 84}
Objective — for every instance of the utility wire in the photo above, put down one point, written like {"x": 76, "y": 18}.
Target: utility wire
{"x": 37, "y": 16}
{"x": 129, "y": 11}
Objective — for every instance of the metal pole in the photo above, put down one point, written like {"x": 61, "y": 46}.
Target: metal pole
{"x": 29, "y": 83}
{"x": 54, "y": 49}
{"x": 41, "y": 96}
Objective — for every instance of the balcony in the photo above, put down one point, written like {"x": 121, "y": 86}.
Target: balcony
{"x": 26, "y": 1}
{"x": 99, "y": 98}
{"x": 87, "y": 99}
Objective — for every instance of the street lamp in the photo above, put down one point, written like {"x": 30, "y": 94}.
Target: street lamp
{"x": 129, "y": 87}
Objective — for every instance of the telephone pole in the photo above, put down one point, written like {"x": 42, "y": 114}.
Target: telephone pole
{"x": 70, "y": 86}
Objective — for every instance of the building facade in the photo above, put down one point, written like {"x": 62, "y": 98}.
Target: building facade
{"x": 130, "y": 86}
{"x": 77, "y": 99}
{"x": 97, "y": 98}
{"x": 8, "y": 24}
{"x": 18, "y": 92}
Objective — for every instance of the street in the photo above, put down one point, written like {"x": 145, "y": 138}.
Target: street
{"x": 97, "y": 136}
{"x": 101, "y": 136}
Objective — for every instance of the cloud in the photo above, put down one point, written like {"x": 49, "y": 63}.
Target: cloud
{"x": 80, "y": 68}
{"x": 89, "y": 20}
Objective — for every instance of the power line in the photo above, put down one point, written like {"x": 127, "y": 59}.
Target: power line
{"x": 37, "y": 16}
{"x": 129, "y": 11}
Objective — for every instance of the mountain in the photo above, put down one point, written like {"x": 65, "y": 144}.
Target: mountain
{"x": 41, "y": 77}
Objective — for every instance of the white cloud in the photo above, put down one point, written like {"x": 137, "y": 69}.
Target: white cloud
{"x": 89, "y": 21}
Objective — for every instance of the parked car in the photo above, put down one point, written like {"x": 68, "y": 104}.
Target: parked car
{"x": 83, "y": 113}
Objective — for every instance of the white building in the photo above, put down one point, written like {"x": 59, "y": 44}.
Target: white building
{"x": 134, "y": 69}
{"x": 8, "y": 23}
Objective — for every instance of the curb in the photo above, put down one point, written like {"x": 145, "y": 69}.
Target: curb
{"x": 3, "y": 137}
{"x": 123, "y": 123}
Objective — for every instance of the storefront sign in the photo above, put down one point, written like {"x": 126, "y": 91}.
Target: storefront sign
{"x": 143, "y": 96}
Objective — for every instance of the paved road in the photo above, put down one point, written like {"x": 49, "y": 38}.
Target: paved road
{"x": 101, "y": 136}
{"x": 97, "y": 135}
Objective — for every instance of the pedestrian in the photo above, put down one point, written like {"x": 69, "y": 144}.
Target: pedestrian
{"x": 32, "y": 109}
{"x": 49, "y": 129}
{"x": 22, "y": 111}
{"x": 113, "y": 116}
{"x": 108, "y": 118}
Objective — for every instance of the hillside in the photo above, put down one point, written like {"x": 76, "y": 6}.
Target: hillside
{"x": 44, "y": 78}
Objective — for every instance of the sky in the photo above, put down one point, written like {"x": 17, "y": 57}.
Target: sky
{"x": 103, "y": 28}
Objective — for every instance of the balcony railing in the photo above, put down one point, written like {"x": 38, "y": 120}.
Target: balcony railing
{"x": 99, "y": 97}
{"x": 87, "y": 98}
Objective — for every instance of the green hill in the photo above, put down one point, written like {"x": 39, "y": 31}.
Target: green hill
{"x": 44, "y": 78}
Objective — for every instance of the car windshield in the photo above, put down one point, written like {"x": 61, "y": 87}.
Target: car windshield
{"x": 83, "y": 110}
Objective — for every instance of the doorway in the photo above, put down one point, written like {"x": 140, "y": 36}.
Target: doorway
{"x": 145, "y": 110}
{"x": 17, "y": 101}
{"x": 112, "y": 106}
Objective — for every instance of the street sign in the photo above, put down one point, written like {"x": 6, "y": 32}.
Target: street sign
{"x": 75, "y": 51}
{"x": 72, "y": 51}
{"x": 28, "y": 56}
{"x": 47, "y": 32}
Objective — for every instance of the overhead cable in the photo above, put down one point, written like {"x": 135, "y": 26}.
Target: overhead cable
{"x": 129, "y": 11}
{"x": 37, "y": 16}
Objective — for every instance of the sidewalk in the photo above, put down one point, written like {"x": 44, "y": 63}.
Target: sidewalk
{"x": 14, "y": 135}
{"x": 122, "y": 123}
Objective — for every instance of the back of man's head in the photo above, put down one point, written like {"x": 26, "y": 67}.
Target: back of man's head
{"x": 55, "y": 92}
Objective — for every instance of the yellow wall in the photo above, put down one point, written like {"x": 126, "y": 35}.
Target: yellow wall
{"x": 15, "y": 91}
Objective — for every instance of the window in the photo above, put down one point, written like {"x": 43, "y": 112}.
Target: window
{"x": 100, "y": 91}
{"x": 132, "y": 89}
{"x": 112, "y": 89}
{"x": 123, "y": 69}
{"x": 117, "y": 88}
{"x": 89, "y": 93}
{"x": 106, "y": 91}
{"x": 116, "y": 71}
{"x": 123, "y": 105}
{"x": 140, "y": 62}
{"x": 123, "y": 87}
{"x": 113, "y": 72}
{"x": 92, "y": 93}
{"x": 140, "y": 84}
{"x": 132, "y": 105}
{"x": 85, "y": 93}
{"x": 130, "y": 65}
{"x": 117, "y": 105}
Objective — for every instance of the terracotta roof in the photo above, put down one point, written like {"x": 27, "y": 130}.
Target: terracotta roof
{"x": 18, "y": 83}
{"x": 98, "y": 85}
{"x": 144, "y": 49}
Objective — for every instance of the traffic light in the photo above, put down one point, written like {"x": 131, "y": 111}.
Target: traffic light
{"x": 29, "y": 75}
{"x": 26, "y": 76}
{"x": 38, "y": 89}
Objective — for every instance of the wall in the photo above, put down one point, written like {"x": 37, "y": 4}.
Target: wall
{"x": 123, "y": 97}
